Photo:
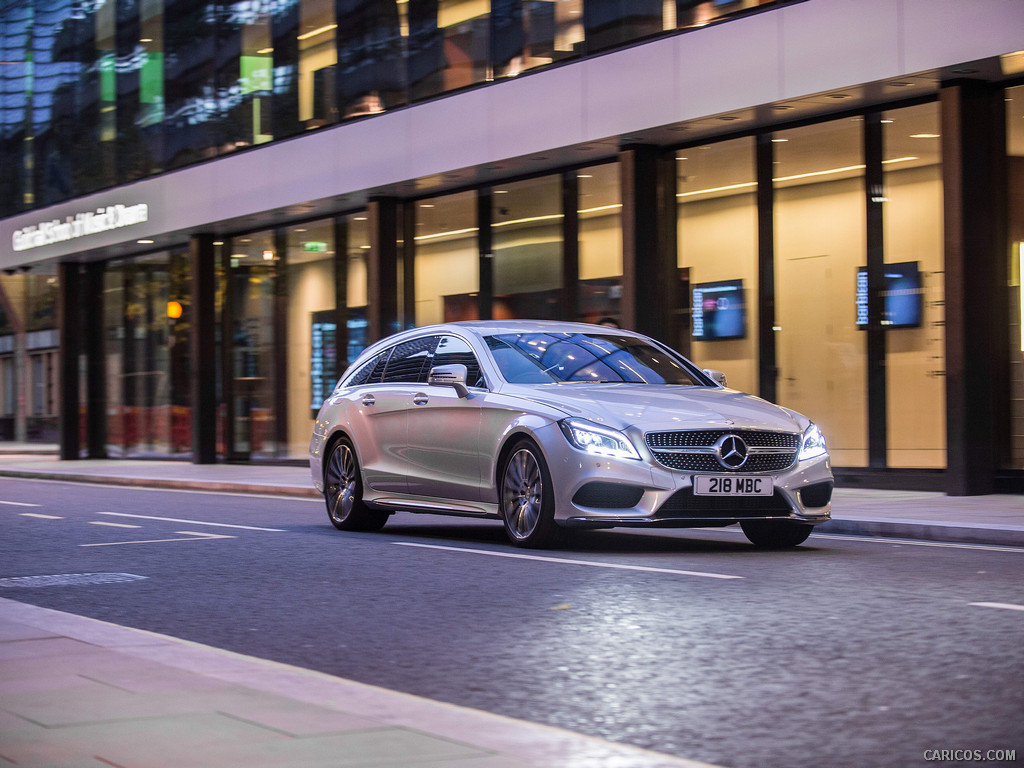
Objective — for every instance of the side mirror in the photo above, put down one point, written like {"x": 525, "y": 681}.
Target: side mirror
{"x": 450, "y": 376}
{"x": 718, "y": 376}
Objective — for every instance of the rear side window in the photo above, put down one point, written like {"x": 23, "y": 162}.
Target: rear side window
{"x": 411, "y": 361}
{"x": 371, "y": 371}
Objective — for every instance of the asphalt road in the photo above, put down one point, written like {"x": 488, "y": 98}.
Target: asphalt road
{"x": 842, "y": 652}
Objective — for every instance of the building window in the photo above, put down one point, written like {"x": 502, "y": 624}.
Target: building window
{"x": 717, "y": 257}
{"x": 819, "y": 247}
{"x": 447, "y": 259}
{"x": 310, "y": 345}
{"x": 599, "y": 209}
{"x": 914, "y": 288}
{"x": 526, "y": 238}
{"x": 1015, "y": 272}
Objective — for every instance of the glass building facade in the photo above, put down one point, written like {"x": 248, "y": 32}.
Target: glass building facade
{"x": 821, "y": 251}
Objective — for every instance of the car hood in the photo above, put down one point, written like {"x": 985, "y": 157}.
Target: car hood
{"x": 650, "y": 407}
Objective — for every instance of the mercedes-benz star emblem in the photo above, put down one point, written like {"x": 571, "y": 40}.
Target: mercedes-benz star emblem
{"x": 732, "y": 452}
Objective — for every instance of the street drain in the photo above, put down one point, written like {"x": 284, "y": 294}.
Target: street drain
{"x": 67, "y": 580}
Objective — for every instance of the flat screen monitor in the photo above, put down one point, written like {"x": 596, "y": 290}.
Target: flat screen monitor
{"x": 719, "y": 311}
{"x": 902, "y": 292}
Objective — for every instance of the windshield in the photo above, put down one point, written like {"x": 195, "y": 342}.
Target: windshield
{"x": 544, "y": 358}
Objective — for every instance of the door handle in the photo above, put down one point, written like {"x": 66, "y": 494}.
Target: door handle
{"x": 369, "y": 400}
{"x": 419, "y": 399}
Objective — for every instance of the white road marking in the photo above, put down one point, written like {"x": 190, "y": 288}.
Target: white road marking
{"x": 19, "y": 504}
{"x": 191, "y": 536}
{"x": 192, "y": 522}
{"x": 113, "y": 525}
{"x": 568, "y": 561}
{"x": 1004, "y": 606}
{"x": 41, "y": 517}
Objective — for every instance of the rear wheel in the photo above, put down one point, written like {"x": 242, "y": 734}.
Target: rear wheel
{"x": 775, "y": 534}
{"x": 343, "y": 492}
{"x": 526, "y": 499}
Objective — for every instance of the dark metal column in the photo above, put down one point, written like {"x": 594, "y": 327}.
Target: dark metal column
{"x": 571, "y": 247}
{"x": 485, "y": 249}
{"x": 649, "y": 274}
{"x": 977, "y": 313}
{"x": 95, "y": 355}
{"x": 203, "y": 358}
{"x": 340, "y": 295}
{"x": 874, "y": 188}
{"x": 382, "y": 268}
{"x": 280, "y": 312}
{"x": 70, "y": 343}
{"x": 767, "y": 367}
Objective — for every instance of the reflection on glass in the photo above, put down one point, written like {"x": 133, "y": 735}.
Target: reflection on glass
{"x": 600, "y": 242}
{"x": 448, "y": 45}
{"x": 254, "y": 380}
{"x": 147, "y": 319}
{"x": 318, "y": 57}
{"x": 819, "y": 245}
{"x": 1015, "y": 150}
{"x": 717, "y": 242}
{"x": 526, "y": 236}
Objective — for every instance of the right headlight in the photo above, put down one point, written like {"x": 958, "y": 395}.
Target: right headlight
{"x": 812, "y": 445}
{"x": 597, "y": 440}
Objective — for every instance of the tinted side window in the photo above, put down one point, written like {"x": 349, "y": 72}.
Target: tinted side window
{"x": 371, "y": 371}
{"x": 411, "y": 361}
{"x": 454, "y": 351}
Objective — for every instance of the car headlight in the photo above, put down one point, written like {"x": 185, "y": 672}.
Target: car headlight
{"x": 813, "y": 444}
{"x": 597, "y": 440}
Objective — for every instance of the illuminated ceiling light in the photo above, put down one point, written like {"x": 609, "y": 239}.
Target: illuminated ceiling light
{"x": 218, "y": 242}
{"x": 530, "y": 220}
{"x": 426, "y": 205}
{"x": 145, "y": 242}
{"x": 268, "y": 255}
{"x": 265, "y": 51}
{"x": 146, "y": 40}
{"x": 779, "y": 141}
{"x": 886, "y": 122}
{"x": 174, "y": 310}
{"x": 359, "y": 218}
{"x": 924, "y": 135}
{"x": 794, "y": 177}
{"x": 316, "y": 32}
{"x": 421, "y": 238}
{"x": 600, "y": 208}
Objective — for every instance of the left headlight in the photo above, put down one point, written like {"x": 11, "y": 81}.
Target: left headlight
{"x": 813, "y": 444}
{"x": 597, "y": 440}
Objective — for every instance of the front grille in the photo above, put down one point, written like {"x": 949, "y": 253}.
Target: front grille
{"x": 705, "y": 438}
{"x": 684, "y": 504}
{"x": 692, "y": 450}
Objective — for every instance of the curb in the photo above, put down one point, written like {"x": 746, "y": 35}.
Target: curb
{"x": 952, "y": 533}
{"x": 166, "y": 484}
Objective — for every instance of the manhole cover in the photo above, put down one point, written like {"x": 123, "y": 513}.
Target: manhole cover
{"x": 67, "y": 580}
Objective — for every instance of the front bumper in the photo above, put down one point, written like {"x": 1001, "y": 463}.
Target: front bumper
{"x": 592, "y": 492}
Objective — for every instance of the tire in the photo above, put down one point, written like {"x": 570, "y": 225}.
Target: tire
{"x": 343, "y": 492}
{"x": 775, "y": 534}
{"x": 526, "y": 498}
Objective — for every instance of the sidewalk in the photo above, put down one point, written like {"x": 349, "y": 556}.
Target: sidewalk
{"x": 996, "y": 519}
{"x": 76, "y": 692}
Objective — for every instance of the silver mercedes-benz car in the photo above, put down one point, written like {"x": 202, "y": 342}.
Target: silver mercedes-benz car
{"x": 548, "y": 426}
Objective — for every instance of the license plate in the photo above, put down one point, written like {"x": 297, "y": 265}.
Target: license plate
{"x": 717, "y": 485}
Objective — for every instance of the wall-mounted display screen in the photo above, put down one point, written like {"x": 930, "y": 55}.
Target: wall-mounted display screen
{"x": 719, "y": 311}
{"x": 902, "y": 292}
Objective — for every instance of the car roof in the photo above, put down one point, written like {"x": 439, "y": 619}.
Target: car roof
{"x": 482, "y": 328}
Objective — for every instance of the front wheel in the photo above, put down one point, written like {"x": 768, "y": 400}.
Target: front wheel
{"x": 775, "y": 534}
{"x": 343, "y": 492}
{"x": 526, "y": 499}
